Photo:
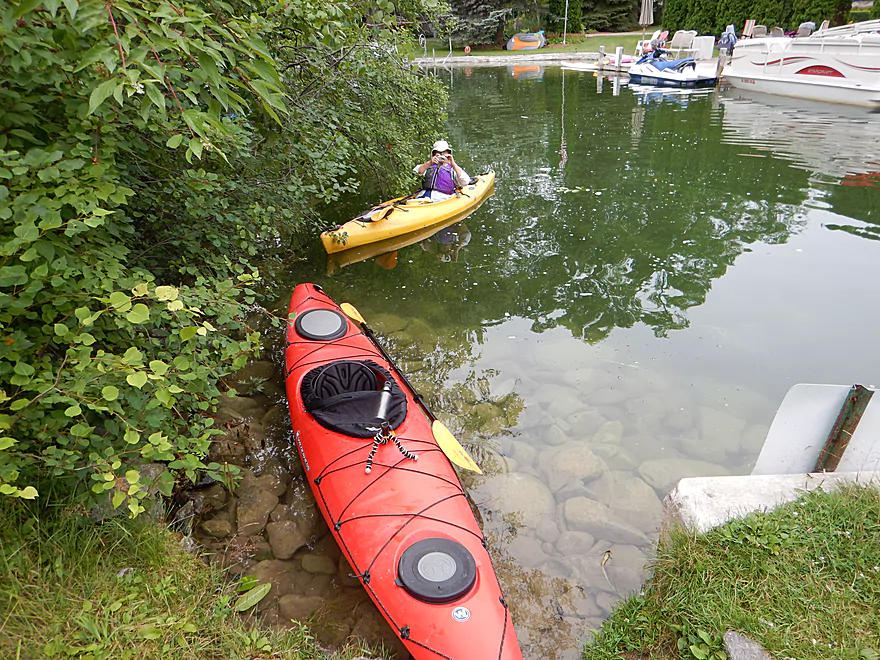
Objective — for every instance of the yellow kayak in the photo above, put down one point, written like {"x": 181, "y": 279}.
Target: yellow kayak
{"x": 404, "y": 215}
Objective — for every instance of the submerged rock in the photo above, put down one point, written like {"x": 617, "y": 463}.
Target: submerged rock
{"x": 573, "y": 461}
{"x": 520, "y": 493}
{"x": 254, "y": 506}
{"x": 587, "y": 515}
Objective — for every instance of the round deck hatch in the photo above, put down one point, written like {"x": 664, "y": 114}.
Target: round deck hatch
{"x": 321, "y": 324}
{"x": 437, "y": 570}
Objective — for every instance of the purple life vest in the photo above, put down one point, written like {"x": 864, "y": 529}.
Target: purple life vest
{"x": 440, "y": 178}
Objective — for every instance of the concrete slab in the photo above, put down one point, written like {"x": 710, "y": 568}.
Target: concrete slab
{"x": 740, "y": 647}
{"x": 702, "y": 503}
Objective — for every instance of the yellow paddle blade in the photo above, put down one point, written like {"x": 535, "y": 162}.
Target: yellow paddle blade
{"x": 382, "y": 214}
{"x": 351, "y": 312}
{"x": 452, "y": 448}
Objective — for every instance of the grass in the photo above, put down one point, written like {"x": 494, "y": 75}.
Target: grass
{"x": 803, "y": 581}
{"x": 587, "y": 45}
{"x": 123, "y": 590}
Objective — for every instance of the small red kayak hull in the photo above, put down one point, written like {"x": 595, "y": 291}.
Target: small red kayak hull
{"x": 405, "y": 526}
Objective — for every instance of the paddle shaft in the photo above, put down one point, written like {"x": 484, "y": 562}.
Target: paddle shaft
{"x": 418, "y": 397}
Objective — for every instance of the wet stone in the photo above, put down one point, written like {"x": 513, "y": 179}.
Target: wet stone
{"x": 615, "y": 457}
{"x": 609, "y": 433}
{"x": 555, "y": 436}
{"x": 574, "y": 543}
{"x": 218, "y": 529}
{"x": 630, "y": 498}
{"x": 271, "y": 483}
{"x": 280, "y": 572}
{"x": 584, "y": 514}
{"x": 527, "y": 551}
{"x": 318, "y": 563}
{"x": 663, "y": 474}
{"x": 521, "y": 493}
{"x": 547, "y": 530}
{"x": 254, "y": 506}
{"x": 585, "y": 423}
{"x": 285, "y": 538}
{"x": 573, "y": 461}
{"x": 239, "y": 407}
{"x": 293, "y": 607}
{"x": 319, "y": 585}
{"x": 720, "y": 429}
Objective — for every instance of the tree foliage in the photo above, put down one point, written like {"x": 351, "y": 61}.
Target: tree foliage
{"x": 609, "y": 15}
{"x": 555, "y": 20}
{"x": 484, "y": 21}
{"x": 714, "y": 16}
{"x": 148, "y": 151}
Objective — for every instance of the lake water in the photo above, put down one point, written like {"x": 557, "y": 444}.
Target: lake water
{"x": 652, "y": 274}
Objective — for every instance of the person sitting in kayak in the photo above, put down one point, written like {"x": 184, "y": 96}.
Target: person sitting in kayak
{"x": 441, "y": 175}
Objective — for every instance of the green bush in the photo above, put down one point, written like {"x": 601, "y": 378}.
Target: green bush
{"x": 556, "y": 17}
{"x": 713, "y": 16}
{"x": 148, "y": 152}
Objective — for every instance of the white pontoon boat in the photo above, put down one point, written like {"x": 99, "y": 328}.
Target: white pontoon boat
{"x": 840, "y": 65}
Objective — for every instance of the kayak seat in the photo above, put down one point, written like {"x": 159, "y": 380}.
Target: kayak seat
{"x": 344, "y": 397}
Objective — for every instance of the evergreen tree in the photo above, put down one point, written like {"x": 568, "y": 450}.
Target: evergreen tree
{"x": 556, "y": 17}
{"x": 609, "y": 15}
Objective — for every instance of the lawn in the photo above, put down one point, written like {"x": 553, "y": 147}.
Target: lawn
{"x": 803, "y": 581}
{"x": 581, "y": 45}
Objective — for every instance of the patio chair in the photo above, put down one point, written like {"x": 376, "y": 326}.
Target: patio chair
{"x": 759, "y": 31}
{"x": 747, "y": 28}
{"x": 681, "y": 41}
{"x": 777, "y": 32}
{"x": 805, "y": 29}
{"x": 825, "y": 25}
{"x": 641, "y": 44}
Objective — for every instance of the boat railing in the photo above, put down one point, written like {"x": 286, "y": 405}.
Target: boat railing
{"x": 853, "y": 28}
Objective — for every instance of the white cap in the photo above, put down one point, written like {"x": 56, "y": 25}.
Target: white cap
{"x": 441, "y": 145}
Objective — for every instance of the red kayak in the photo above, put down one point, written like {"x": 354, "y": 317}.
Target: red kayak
{"x": 390, "y": 495}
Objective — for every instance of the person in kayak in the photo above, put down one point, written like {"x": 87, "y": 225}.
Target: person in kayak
{"x": 441, "y": 175}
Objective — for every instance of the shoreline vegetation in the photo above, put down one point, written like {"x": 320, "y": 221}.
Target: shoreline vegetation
{"x": 150, "y": 156}
{"x": 803, "y": 580}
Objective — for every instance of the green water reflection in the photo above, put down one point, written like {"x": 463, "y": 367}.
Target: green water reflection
{"x": 650, "y": 277}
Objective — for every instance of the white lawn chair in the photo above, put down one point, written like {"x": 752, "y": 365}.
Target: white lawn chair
{"x": 642, "y": 43}
{"x": 682, "y": 40}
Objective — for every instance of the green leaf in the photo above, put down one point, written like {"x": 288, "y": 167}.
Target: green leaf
{"x": 7, "y": 442}
{"x": 252, "y": 597}
{"x": 13, "y": 276}
{"x": 73, "y": 410}
{"x": 131, "y": 436}
{"x": 140, "y": 313}
{"x": 188, "y": 333}
{"x": 138, "y": 379}
{"x": 72, "y": 7}
{"x": 156, "y": 96}
{"x": 25, "y": 7}
{"x": 101, "y": 92}
{"x": 174, "y": 141}
{"x": 159, "y": 368}
{"x": 196, "y": 146}
{"x": 247, "y": 583}
{"x": 28, "y": 493}
{"x": 166, "y": 292}
{"x": 698, "y": 652}
{"x": 110, "y": 392}
{"x": 133, "y": 356}
{"x": 118, "y": 499}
